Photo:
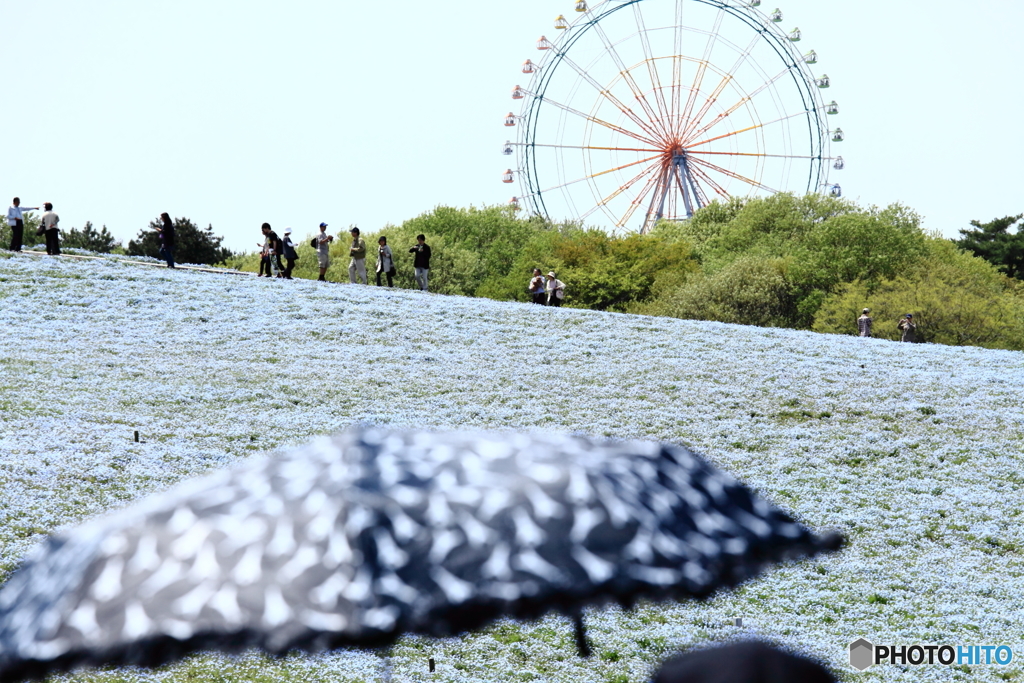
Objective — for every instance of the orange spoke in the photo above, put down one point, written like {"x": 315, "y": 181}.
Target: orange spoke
{"x": 619, "y": 191}
{"x": 594, "y": 119}
{"x": 750, "y": 154}
{"x": 743, "y": 100}
{"x": 626, "y": 75}
{"x": 610, "y": 149}
{"x": 600, "y": 173}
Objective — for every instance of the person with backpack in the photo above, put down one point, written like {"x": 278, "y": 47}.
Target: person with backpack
{"x": 555, "y": 289}
{"x": 290, "y": 254}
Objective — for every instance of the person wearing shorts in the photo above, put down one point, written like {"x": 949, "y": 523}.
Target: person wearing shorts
{"x": 323, "y": 251}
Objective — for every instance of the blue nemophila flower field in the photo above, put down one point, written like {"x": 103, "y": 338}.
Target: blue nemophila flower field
{"x": 915, "y": 452}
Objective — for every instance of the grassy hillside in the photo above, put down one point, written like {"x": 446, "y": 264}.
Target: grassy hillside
{"x": 916, "y": 452}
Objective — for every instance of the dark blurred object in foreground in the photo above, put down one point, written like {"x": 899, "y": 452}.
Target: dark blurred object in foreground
{"x": 750, "y": 662}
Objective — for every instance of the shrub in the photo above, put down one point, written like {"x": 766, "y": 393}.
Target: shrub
{"x": 955, "y": 298}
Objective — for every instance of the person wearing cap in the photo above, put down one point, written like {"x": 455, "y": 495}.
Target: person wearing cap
{"x": 421, "y": 261}
{"x": 49, "y": 228}
{"x": 15, "y": 219}
{"x": 908, "y": 327}
{"x": 864, "y": 323}
{"x": 322, "y": 242}
{"x": 555, "y": 289}
{"x": 357, "y": 266}
{"x": 290, "y": 254}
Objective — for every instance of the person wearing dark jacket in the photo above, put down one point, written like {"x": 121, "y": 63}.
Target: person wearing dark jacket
{"x": 421, "y": 262}
{"x": 290, "y": 254}
{"x": 166, "y": 233}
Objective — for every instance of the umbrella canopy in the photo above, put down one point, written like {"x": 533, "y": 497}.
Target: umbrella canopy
{"x": 357, "y": 539}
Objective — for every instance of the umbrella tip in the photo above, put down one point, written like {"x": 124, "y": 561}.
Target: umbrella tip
{"x": 832, "y": 541}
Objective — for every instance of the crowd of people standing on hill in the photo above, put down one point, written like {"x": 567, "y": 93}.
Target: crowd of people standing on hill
{"x": 546, "y": 291}
{"x": 273, "y": 248}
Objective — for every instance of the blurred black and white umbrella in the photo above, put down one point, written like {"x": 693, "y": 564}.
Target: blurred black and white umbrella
{"x": 358, "y": 539}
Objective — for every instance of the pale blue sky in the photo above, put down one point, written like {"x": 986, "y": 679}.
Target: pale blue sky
{"x": 234, "y": 113}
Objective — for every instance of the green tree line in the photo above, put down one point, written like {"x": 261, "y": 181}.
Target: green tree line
{"x": 810, "y": 262}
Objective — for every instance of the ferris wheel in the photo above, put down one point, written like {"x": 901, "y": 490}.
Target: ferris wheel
{"x": 641, "y": 110}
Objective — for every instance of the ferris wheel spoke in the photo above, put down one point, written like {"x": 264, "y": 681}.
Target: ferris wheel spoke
{"x": 645, "y": 125}
{"x": 733, "y": 174}
{"x": 630, "y": 183}
{"x": 711, "y": 99}
{"x": 627, "y": 76}
{"x": 638, "y": 199}
{"x": 702, "y": 67}
{"x": 594, "y": 119}
{"x": 744, "y": 130}
{"x": 728, "y": 112}
{"x": 677, "y": 67}
{"x": 689, "y": 123}
{"x": 652, "y": 68}
{"x": 719, "y": 190}
{"x": 754, "y": 154}
{"x": 590, "y": 147}
{"x": 600, "y": 173}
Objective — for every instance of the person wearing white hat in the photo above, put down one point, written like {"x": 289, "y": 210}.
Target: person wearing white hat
{"x": 555, "y": 289}
{"x": 290, "y": 254}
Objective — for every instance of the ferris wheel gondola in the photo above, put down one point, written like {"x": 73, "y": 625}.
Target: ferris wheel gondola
{"x": 643, "y": 110}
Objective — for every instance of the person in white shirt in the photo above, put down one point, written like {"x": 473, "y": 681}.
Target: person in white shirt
{"x": 16, "y": 221}
{"x": 555, "y": 290}
{"x": 49, "y": 228}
